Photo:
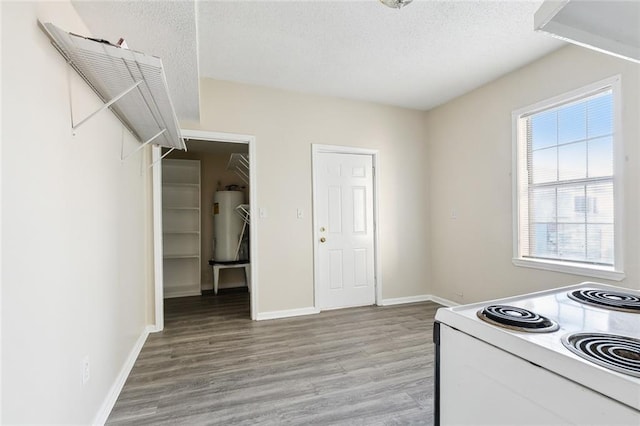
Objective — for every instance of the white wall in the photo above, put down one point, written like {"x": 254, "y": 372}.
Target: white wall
{"x": 285, "y": 125}
{"x": 74, "y": 221}
{"x": 470, "y": 172}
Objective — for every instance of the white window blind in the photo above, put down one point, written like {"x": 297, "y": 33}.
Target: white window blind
{"x": 566, "y": 206}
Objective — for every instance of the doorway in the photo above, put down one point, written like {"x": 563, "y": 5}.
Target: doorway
{"x": 346, "y": 267}
{"x": 203, "y": 139}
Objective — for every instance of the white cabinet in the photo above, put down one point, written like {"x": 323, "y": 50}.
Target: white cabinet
{"x": 181, "y": 227}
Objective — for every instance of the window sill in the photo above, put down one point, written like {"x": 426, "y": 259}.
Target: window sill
{"x": 571, "y": 268}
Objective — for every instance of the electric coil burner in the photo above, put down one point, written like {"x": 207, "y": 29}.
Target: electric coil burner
{"x": 516, "y": 318}
{"x": 618, "y": 301}
{"x": 617, "y": 353}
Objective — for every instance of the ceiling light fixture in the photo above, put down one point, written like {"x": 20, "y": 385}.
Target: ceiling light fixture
{"x": 395, "y": 4}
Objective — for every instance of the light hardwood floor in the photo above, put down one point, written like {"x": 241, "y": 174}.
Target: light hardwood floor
{"x": 213, "y": 365}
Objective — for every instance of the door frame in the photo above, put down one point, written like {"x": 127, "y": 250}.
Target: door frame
{"x": 157, "y": 217}
{"x": 337, "y": 149}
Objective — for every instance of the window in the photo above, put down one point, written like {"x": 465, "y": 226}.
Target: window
{"x": 567, "y": 201}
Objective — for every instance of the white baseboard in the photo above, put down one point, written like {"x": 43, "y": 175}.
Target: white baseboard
{"x": 409, "y": 299}
{"x": 416, "y": 299}
{"x": 169, "y": 294}
{"x": 108, "y": 403}
{"x": 153, "y": 328}
{"x": 443, "y": 301}
{"x": 385, "y": 302}
{"x": 209, "y": 286}
{"x": 286, "y": 314}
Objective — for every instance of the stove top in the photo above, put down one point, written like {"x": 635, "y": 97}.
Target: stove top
{"x": 571, "y": 324}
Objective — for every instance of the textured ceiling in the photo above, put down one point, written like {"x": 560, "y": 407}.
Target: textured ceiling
{"x": 166, "y": 29}
{"x": 421, "y": 56}
{"x": 417, "y": 57}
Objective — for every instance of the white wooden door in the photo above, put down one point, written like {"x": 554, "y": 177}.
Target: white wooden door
{"x": 345, "y": 234}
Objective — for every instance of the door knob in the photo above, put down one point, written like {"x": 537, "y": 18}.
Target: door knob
{"x": 323, "y": 239}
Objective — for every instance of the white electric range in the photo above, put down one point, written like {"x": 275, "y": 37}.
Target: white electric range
{"x": 521, "y": 360}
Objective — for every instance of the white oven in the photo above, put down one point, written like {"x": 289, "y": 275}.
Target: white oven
{"x": 564, "y": 356}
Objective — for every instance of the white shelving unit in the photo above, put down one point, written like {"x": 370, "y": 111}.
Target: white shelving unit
{"x": 131, "y": 84}
{"x": 181, "y": 227}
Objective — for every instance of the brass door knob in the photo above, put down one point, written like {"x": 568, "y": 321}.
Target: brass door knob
{"x": 323, "y": 239}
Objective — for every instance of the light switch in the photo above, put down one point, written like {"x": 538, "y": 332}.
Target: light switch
{"x": 300, "y": 214}
{"x": 263, "y": 212}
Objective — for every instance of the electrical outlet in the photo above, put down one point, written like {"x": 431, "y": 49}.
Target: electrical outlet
{"x": 86, "y": 370}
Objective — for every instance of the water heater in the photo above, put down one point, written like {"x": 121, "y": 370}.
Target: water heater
{"x": 227, "y": 224}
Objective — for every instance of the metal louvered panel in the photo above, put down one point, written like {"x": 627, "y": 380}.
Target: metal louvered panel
{"x": 111, "y": 71}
